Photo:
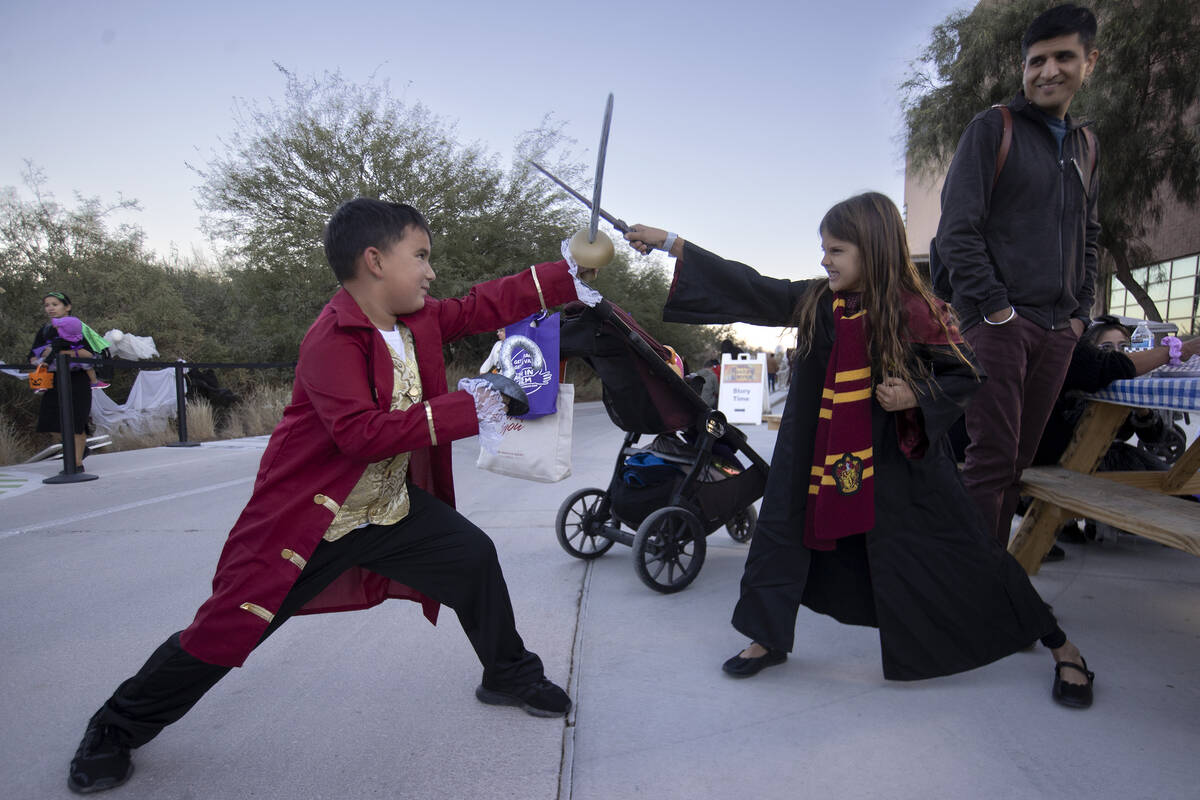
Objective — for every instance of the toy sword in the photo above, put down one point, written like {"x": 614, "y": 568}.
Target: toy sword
{"x": 588, "y": 248}
{"x": 594, "y": 224}
{"x": 619, "y": 224}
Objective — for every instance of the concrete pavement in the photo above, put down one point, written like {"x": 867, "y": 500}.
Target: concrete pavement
{"x": 380, "y": 704}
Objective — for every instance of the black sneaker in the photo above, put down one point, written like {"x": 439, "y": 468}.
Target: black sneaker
{"x": 101, "y": 762}
{"x": 542, "y": 698}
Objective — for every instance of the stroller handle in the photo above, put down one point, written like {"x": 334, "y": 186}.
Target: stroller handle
{"x": 709, "y": 420}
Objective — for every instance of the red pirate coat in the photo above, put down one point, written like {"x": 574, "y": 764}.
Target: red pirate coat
{"x": 338, "y": 422}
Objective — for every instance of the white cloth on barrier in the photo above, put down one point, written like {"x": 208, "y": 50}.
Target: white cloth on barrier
{"x": 150, "y": 405}
{"x": 134, "y": 348}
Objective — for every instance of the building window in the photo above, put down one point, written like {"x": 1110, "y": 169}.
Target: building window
{"x": 1173, "y": 285}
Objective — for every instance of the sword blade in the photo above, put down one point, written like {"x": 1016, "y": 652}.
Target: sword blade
{"x": 594, "y": 225}
{"x": 616, "y": 223}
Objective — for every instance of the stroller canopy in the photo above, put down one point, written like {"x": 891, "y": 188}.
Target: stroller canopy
{"x": 642, "y": 394}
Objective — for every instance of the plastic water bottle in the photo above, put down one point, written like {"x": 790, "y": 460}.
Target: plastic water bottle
{"x": 1141, "y": 339}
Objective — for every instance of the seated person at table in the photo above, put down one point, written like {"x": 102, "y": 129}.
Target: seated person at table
{"x": 1098, "y": 360}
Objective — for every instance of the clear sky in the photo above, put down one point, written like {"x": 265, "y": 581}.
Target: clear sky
{"x": 736, "y": 124}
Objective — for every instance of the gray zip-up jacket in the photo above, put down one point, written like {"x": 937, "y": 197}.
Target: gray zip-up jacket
{"x": 1029, "y": 241}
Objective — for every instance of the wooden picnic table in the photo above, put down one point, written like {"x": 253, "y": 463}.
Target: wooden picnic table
{"x": 1143, "y": 503}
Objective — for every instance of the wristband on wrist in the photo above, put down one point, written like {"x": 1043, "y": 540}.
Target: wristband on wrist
{"x": 1012, "y": 312}
{"x": 669, "y": 242}
{"x": 1174, "y": 349}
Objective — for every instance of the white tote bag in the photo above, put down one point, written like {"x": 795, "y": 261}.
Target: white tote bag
{"x": 536, "y": 449}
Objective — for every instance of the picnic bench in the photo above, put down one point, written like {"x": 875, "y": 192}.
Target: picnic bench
{"x": 1142, "y": 503}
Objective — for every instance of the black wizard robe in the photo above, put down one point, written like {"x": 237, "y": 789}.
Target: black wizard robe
{"x": 945, "y": 596}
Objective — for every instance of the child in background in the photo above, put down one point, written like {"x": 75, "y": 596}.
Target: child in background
{"x": 66, "y": 334}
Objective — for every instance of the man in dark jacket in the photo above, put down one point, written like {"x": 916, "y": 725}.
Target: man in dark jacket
{"x": 1020, "y": 249}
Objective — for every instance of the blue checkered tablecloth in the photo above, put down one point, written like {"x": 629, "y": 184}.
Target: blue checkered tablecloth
{"x": 1176, "y": 394}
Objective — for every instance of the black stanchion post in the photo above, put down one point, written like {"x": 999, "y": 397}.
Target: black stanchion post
{"x": 66, "y": 424}
{"x": 181, "y": 409}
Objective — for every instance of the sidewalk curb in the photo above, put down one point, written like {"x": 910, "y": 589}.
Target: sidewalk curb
{"x": 566, "y": 770}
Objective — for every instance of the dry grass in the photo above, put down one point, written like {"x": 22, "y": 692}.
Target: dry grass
{"x": 587, "y": 383}
{"x": 455, "y": 372}
{"x": 15, "y": 446}
{"x": 134, "y": 441}
{"x": 255, "y": 414}
{"x": 258, "y": 412}
{"x": 201, "y": 424}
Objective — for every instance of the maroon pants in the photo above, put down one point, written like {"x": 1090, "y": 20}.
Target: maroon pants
{"x": 1025, "y": 366}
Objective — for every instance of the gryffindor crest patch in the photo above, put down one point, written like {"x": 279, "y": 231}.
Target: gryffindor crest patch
{"x": 848, "y": 473}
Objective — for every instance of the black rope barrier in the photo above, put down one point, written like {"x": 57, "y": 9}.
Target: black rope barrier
{"x": 72, "y": 473}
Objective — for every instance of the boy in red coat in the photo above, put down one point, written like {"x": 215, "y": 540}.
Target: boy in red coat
{"x": 354, "y": 501}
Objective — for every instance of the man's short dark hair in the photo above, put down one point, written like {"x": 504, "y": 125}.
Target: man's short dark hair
{"x": 365, "y": 222}
{"x": 1061, "y": 21}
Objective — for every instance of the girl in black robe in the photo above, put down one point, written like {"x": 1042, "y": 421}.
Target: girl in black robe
{"x": 921, "y": 566}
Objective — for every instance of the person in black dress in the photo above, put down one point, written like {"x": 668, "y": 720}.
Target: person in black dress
{"x": 46, "y": 346}
{"x": 864, "y": 517}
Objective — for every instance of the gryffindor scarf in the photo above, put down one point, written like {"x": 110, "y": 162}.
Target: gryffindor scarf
{"x": 841, "y": 492}
{"x": 841, "y": 489}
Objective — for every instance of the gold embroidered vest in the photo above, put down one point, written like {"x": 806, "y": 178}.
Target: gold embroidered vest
{"x": 381, "y": 495}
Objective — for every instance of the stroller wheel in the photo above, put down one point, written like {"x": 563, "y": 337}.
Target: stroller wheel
{"x": 1169, "y": 448}
{"x": 741, "y": 527}
{"x": 668, "y": 550}
{"x": 578, "y": 523}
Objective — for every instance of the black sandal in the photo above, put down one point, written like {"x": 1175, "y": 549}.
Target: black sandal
{"x": 1073, "y": 695}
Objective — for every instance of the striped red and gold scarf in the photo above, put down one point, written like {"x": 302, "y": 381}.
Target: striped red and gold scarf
{"x": 841, "y": 489}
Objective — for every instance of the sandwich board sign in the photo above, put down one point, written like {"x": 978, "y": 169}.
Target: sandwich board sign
{"x": 743, "y": 385}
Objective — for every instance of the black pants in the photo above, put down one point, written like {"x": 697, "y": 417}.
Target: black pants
{"x": 435, "y": 550}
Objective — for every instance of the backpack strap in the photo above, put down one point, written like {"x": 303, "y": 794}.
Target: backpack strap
{"x": 1005, "y": 140}
{"x": 937, "y": 271}
{"x": 1090, "y": 138}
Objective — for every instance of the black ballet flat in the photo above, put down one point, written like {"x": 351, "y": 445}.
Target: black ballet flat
{"x": 1070, "y": 694}
{"x": 740, "y": 667}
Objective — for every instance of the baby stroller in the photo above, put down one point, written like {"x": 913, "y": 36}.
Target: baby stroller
{"x": 687, "y": 483}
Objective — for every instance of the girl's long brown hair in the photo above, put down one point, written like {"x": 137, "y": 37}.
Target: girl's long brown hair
{"x": 872, "y": 223}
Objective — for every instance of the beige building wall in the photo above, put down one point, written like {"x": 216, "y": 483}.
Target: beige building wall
{"x": 922, "y": 210}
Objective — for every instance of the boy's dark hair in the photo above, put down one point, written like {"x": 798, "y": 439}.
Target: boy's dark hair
{"x": 365, "y": 222}
{"x": 1061, "y": 21}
